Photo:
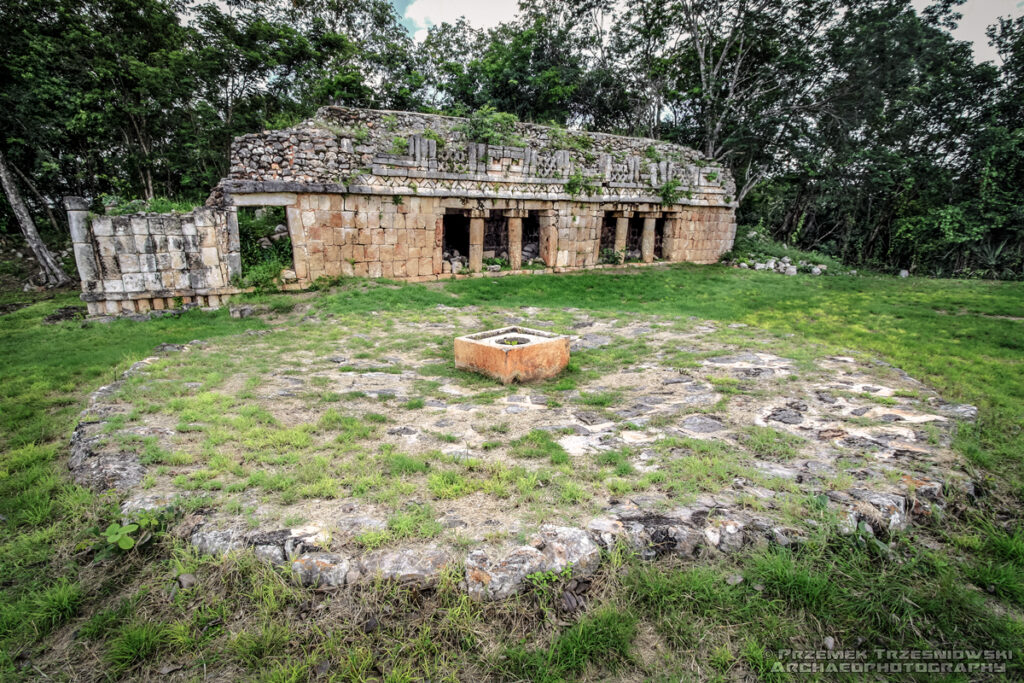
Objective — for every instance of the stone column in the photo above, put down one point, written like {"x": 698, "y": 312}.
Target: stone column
{"x": 671, "y": 246}
{"x": 515, "y": 237}
{"x": 621, "y": 228}
{"x": 549, "y": 237}
{"x": 647, "y": 239}
{"x": 476, "y": 240}
{"x": 85, "y": 255}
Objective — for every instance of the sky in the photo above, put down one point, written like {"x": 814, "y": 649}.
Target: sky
{"x": 419, "y": 15}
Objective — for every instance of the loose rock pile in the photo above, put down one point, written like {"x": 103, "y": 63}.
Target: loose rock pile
{"x": 786, "y": 266}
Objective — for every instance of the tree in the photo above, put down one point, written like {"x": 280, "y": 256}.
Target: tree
{"x": 53, "y": 274}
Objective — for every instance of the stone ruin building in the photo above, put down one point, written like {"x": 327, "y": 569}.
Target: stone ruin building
{"x": 412, "y": 196}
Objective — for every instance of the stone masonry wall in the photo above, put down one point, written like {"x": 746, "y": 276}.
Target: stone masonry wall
{"x": 142, "y": 262}
{"x": 366, "y": 193}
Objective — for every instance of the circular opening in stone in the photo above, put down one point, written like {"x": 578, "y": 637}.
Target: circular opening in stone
{"x": 512, "y": 341}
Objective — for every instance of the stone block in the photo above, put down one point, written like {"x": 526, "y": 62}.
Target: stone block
{"x": 152, "y": 282}
{"x": 133, "y": 282}
{"x": 211, "y": 257}
{"x": 113, "y": 286}
{"x": 128, "y": 263}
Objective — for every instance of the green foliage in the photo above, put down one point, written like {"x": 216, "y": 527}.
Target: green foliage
{"x": 432, "y": 134}
{"x": 609, "y": 255}
{"x": 754, "y": 244}
{"x": 399, "y": 145}
{"x": 119, "y": 206}
{"x": 603, "y": 638}
{"x": 539, "y": 444}
{"x": 581, "y": 184}
{"x": 671, "y": 192}
{"x": 262, "y": 264}
{"x": 492, "y": 127}
{"x": 771, "y": 443}
{"x": 121, "y": 536}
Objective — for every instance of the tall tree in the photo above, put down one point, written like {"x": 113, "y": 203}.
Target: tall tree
{"x": 53, "y": 274}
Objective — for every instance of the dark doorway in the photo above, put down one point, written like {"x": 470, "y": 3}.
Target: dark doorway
{"x": 659, "y": 238}
{"x": 606, "y": 248}
{"x": 455, "y": 236}
{"x": 496, "y": 237}
{"x": 531, "y": 237}
{"x": 634, "y": 238}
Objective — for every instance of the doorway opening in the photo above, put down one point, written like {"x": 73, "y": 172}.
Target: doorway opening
{"x": 606, "y": 248}
{"x": 455, "y": 237}
{"x": 265, "y": 245}
{"x": 659, "y": 238}
{"x": 495, "y": 239}
{"x": 531, "y": 238}
{"x": 634, "y": 238}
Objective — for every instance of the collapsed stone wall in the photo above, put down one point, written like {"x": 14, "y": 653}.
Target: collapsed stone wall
{"x": 141, "y": 262}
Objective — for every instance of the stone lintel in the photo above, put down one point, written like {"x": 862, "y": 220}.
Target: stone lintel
{"x": 265, "y": 199}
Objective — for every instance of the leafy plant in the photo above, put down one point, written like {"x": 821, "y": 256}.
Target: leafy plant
{"x": 610, "y": 255}
{"x": 671, "y": 191}
{"x": 496, "y": 262}
{"x": 121, "y": 536}
{"x": 492, "y": 127}
{"x": 993, "y": 261}
{"x": 399, "y": 145}
{"x": 432, "y": 134}
{"x": 579, "y": 184}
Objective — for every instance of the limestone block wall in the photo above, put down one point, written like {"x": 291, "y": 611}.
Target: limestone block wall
{"x": 365, "y": 236}
{"x": 141, "y": 262}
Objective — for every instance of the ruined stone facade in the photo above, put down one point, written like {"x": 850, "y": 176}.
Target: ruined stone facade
{"x": 409, "y": 196}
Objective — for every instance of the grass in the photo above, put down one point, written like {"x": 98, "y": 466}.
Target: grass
{"x": 771, "y": 443}
{"x": 539, "y": 444}
{"x": 119, "y": 618}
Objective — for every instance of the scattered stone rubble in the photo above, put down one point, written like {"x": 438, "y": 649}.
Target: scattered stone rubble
{"x": 902, "y": 473}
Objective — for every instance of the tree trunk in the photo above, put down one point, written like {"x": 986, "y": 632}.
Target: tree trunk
{"x": 42, "y": 200}
{"x": 53, "y": 275}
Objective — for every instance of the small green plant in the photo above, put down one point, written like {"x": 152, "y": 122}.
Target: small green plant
{"x": 390, "y": 122}
{"x": 496, "y": 262}
{"x": 609, "y": 255}
{"x": 361, "y": 134}
{"x": 579, "y": 184}
{"x": 431, "y": 134}
{"x": 671, "y": 192}
{"x": 121, "y": 536}
{"x": 652, "y": 153}
{"x": 399, "y": 145}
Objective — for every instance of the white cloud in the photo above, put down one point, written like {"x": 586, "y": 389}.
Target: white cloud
{"x": 480, "y": 13}
{"x": 977, "y": 15}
